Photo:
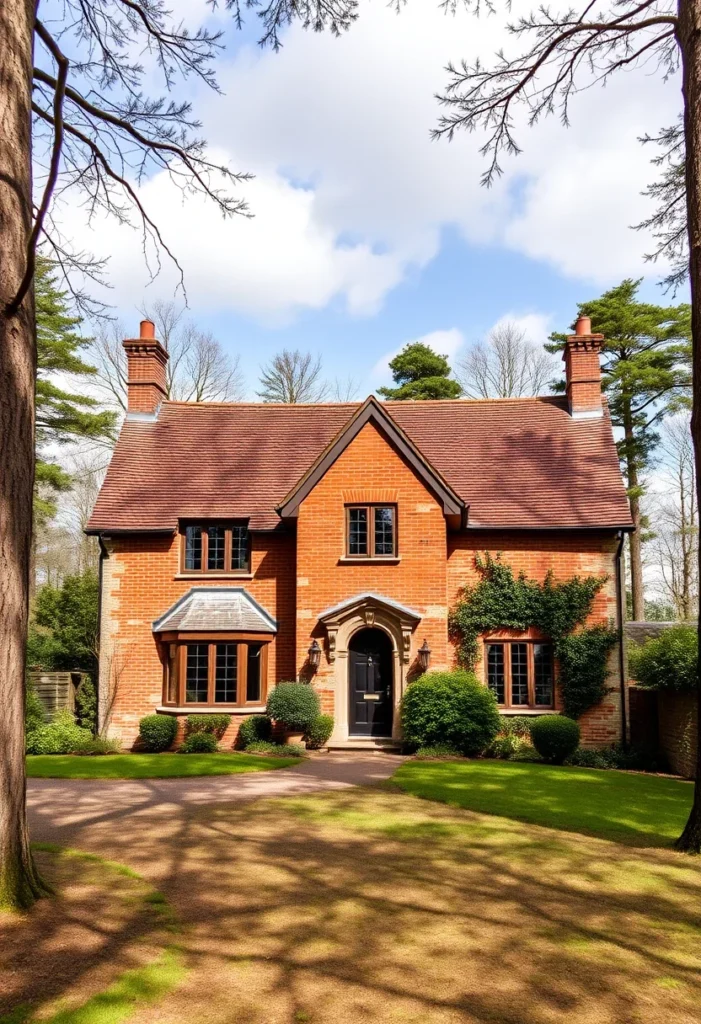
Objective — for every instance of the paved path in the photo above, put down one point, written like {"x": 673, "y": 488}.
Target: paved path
{"x": 60, "y": 808}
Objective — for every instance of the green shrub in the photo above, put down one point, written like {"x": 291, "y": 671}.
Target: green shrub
{"x": 86, "y": 704}
{"x": 516, "y": 725}
{"x": 215, "y": 724}
{"x": 555, "y": 737}
{"x": 199, "y": 743}
{"x": 452, "y": 708}
{"x": 62, "y": 736}
{"x": 252, "y": 730}
{"x": 669, "y": 662}
{"x": 294, "y": 705}
{"x": 319, "y": 731}
{"x": 632, "y": 759}
{"x": 276, "y": 749}
{"x": 157, "y": 732}
{"x": 588, "y": 757}
{"x": 97, "y": 745}
{"x": 506, "y": 747}
{"x": 438, "y": 752}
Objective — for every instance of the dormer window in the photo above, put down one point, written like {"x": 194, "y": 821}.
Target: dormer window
{"x": 216, "y": 548}
{"x": 371, "y": 531}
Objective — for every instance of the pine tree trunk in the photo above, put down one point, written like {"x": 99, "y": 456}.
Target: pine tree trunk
{"x": 19, "y": 883}
{"x": 634, "y": 540}
{"x": 689, "y": 33}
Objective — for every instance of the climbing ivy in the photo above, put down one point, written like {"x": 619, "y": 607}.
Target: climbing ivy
{"x": 502, "y": 600}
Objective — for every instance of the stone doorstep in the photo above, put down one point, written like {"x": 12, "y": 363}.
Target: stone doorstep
{"x": 364, "y": 743}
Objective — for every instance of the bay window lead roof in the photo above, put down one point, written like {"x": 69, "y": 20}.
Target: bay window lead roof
{"x": 214, "y": 610}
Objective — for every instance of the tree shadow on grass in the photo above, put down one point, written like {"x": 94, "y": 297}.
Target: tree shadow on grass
{"x": 369, "y": 905}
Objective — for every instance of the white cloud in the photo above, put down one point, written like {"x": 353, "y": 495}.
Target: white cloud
{"x": 446, "y": 343}
{"x": 350, "y": 119}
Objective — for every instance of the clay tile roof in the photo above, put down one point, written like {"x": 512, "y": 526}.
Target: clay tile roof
{"x": 522, "y": 463}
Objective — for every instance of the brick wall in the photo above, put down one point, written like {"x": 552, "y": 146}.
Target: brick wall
{"x": 678, "y": 730}
{"x": 566, "y": 556}
{"x": 140, "y": 583}
{"x": 370, "y": 470}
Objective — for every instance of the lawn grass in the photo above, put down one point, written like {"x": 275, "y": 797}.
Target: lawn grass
{"x": 149, "y": 766}
{"x": 641, "y": 810}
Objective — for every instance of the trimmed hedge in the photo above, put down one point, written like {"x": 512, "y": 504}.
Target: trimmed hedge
{"x": 555, "y": 737}
{"x": 318, "y": 733}
{"x": 294, "y": 705}
{"x": 450, "y": 708}
{"x": 214, "y": 724}
{"x": 256, "y": 729}
{"x": 199, "y": 743}
{"x": 157, "y": 732}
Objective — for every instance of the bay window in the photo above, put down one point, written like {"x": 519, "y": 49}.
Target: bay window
{"x": 216, "y": 670}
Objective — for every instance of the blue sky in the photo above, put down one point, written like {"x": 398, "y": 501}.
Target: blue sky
{"x": 366, "y": 235}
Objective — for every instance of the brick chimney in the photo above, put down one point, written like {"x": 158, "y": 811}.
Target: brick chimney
{"x": 146, "y": 372}
{"x": 582, "y": 371}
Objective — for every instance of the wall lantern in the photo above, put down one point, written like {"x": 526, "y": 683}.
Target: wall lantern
{"x": 314, "y": 653}
{"x": 424, "y": 656}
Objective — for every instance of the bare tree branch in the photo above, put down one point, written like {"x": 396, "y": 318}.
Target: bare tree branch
{"x": 506, "y": 365}
{"x": 292, "y": 377}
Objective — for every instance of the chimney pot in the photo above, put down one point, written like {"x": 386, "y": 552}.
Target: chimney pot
{"x": 583, "y": 326}
{"x": 146, "y": 372}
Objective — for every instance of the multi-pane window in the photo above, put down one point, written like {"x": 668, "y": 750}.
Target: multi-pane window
{"x": 196, "y": 673}
{"x": 371, "y": 531}
{"x": 225, "y": 673}
{"x": 217, "y": 672}
{"x": 216, "y": 547}
{"x": 521, "y": 674}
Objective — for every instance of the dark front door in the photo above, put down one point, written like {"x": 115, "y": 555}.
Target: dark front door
{"x": 370, "y": 684}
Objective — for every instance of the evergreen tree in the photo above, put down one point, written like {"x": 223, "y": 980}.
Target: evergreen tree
{"x": 64, "y": 635}
{"x": 61, "y": 415}
{"x": 646, "y": 375}
{"x": 420, "y": 374}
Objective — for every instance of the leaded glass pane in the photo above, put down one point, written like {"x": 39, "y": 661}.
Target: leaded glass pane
{"x": 519, "y": 674}
{"x": 543, "y": 664}
{"x": 225, "y": 674}
{"x": 384, "y": 531}
{"x": 357, "y": 531}
{"x": 193, "y": 547}
{"x": 215, "y": 548}
{"x": 253, "y": 681}
{"x": 196, "y": 674}
{"x": 495, "y": 671}
{"x": 239, "y": 547}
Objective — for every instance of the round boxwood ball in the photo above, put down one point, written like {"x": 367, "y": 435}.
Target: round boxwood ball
{"x": 294, "y": 705}
{"x": 199, "y": 743}
{"x": 157, "y": 732}
{"x": 555, "y": 737}
{"x": 450, "y": 708}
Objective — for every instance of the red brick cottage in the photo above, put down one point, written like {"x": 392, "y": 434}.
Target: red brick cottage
{"x": 239, "y": 539}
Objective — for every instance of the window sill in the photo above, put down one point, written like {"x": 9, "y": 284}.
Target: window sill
{"x": 213, "y": 576}
{"x": 369, "y": 560}
{"x": 221, "y": 709}
{"x": 528, "y": 711}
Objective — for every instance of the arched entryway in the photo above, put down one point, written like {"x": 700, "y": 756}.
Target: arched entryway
{"x": 370, "y": 683}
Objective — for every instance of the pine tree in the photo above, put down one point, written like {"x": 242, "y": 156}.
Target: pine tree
{"x": 61, "y": 416}
{"x": 420, "y": 374}
{"x": 646, "y": 375}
